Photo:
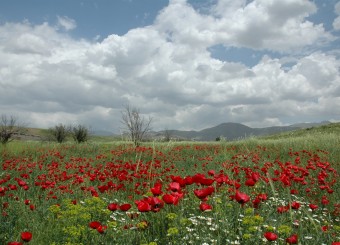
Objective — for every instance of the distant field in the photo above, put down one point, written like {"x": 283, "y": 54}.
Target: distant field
{"x": 280, "y": 189}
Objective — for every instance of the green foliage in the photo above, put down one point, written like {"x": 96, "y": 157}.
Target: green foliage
{"x": 80, "y": 133}
{"x": 59, "y": 133}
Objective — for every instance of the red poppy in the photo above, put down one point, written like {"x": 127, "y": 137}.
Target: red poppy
{"x": 203, "y": 193}
{"x": 94, "y": 224}
{"x": 112, "y": 206}
{"x": 157, "y": 189}
{"x": 293, "y": 239}
{"x": 335, "y": 243}
{"x": 205, "y": 207}
{"x": 282, "y": 209}
{"x": 250, "y": 182}
{"x": 125, "y": 207}
{"x": 101, "y": 229}
{"x": 26, "y": 236}
{"x": 14, "y": 243}
{"x": 270, "y": 236}
{"x": 169, "y": 199}
{"x": 295, "y": 205}
{"x": 174, "y": 186}
{"x": 156, "y": 204}
{"x": 143, "y": 206}
{"x": 241, "y": 198}
{"x": 313, "y": 206}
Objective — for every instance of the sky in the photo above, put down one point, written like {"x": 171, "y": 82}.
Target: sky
{"x": 188, "y": 64}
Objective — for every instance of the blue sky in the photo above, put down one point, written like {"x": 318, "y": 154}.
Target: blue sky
{"x": 188, "y": 64}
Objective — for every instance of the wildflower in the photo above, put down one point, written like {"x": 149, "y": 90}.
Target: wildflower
{"x": 113, "y": 206}
{"x": 171, "y": 216}
{"x": 172, "y": 231}
{"x": 295, "y": 205}
{"x": 14, "y": 243}
{"x": 241, "y": 198}
{"x": 157, "y": 189}
{"x": 270, "y": 236}
{"x": 143, "y": 206}
{"x": 32, "y": 207}
{"x": 26, "y": 236}
{"x": 293, "y": 239}
{"x": 203, "y": 193}
{"x": 94, "y": 224}
{"x": 205, "y": 207}
{"x": 125, "y": 207}
{"x": 101, "y": 229}
{"x": 313, "y": 206}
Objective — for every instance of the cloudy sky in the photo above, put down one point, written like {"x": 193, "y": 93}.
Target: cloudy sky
{"x": 189, "y": 64}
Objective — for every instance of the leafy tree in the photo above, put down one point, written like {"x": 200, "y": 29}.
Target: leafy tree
{"x": 59, "y": 132}
{"x": 136, "y": 125}
{"x": 9, "y": 127}
{"x": 80, "y": 133}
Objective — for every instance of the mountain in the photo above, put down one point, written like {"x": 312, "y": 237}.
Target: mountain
{"x": 232, "y": 131}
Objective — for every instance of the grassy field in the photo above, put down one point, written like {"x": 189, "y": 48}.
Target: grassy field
{"x": 280, "y": 189}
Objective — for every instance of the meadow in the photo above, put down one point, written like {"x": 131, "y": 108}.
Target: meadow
{"x": 282, "y": 189}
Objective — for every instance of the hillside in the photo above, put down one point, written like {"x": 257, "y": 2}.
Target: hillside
{"x": 234, "y": 131}
{"x": 229, "y": 131}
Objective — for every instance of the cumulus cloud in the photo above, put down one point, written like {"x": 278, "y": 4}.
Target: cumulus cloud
{"x": 336, "y": 22}
{"x": 167, "y": 70}
{"x": 66, "y": 23}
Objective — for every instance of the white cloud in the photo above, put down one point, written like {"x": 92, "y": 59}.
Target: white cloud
{"x": 166, "y": 69}
{"x": 66, "y": 23}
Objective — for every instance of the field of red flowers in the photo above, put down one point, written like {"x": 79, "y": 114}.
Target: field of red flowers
{"x": 168, "y": 194}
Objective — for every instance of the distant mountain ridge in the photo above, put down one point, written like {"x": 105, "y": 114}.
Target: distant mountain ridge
{"x": 233, "y": 131}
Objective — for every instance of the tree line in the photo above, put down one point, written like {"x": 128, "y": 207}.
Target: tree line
{"x": 135, "y": 125}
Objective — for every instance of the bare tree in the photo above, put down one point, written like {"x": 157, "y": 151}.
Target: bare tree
{"x": 136, "y": 124}
{"x": 167, "y": 135}
{"x": 8, "y": 128}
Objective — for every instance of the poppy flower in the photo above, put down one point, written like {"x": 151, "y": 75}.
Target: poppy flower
{"x": 26, "y": 236}
{"x": 241, "y": 198}
{"x": 143, "y": 206}
{"x": 250, "y": 182}
{"x": 125, "y": 207}
{"x": 94, "y": 224}
{"x": 295, "y": 205}
{"x": 101, "y": 229}
{"x": 282, "y": 209}
{"x": 174, "y": 186}
{"x": 203, "y": 193}
{"x": 270, "y": 236}
{"x": 205, "y": 207}
{"x": 157, "y": 189}
{"x": 168, "y": 198}
{"x": 293, "y": 239}
{"x": 32, "y": 207}
{"x": 156, "y": 204}
{"x": 112, "y": 206}
{"x": 313, "y": 206}
{"x": 14, "y": 243}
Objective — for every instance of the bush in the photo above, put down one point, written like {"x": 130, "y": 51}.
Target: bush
{"x": 80, "y": 133}
{"x": 59, "y": 133}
